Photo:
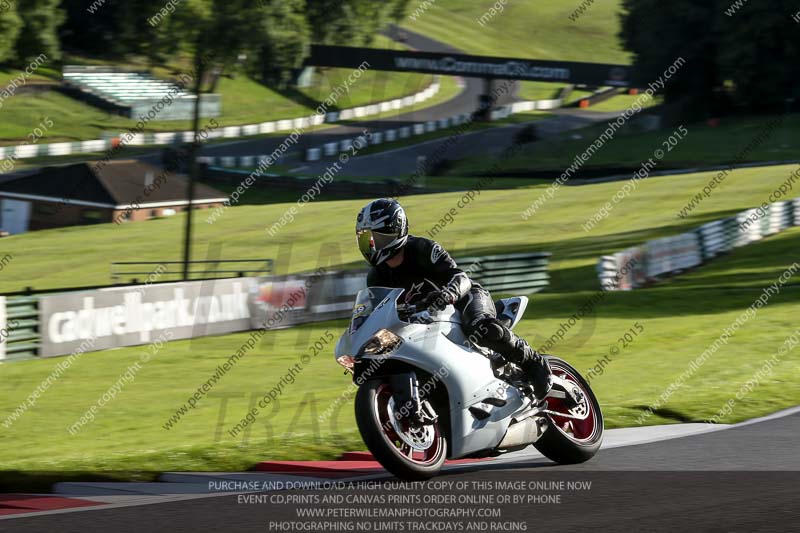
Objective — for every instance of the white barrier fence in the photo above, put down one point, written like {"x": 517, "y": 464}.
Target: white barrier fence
{"x": 25, "y": 151}
{"x": 430, "y": 126}
{"x": 642, "y": 265}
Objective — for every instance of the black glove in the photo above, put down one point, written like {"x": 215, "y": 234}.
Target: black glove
{"x": 437, "y": 300}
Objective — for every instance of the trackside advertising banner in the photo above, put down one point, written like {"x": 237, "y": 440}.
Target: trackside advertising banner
{"x": 471, "y": 66}
{"x": 283, "y": 301}
{"x": 129, "y": 316}
{"x": 672, "y": 254}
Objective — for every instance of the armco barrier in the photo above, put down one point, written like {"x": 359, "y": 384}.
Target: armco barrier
{"x": 313, "y": 154}
{"x": 673, "y": 255}
{"x": 781, "y": 217}
{"x": 607, "y": 273}
{"x": 522, "y": 273}
{"x": 796, "y": 221}
{"x": 20, "y": 332}
{"x": 3, "y": 328}
{"x": 331, "y": 149}
{"x": 744, "y": 236}
{"x": 716, "y": 237}
{"x": 514, "y": 273}
{"x": 430, "y": 126}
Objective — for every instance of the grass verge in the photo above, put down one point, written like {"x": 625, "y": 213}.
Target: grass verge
{"x": 742, "y": 139}
{"x": 129, "y": 439}
{"x": 540, "y": 30}
{"x": 650, "y": 212}
{"x": 674, "y": 322}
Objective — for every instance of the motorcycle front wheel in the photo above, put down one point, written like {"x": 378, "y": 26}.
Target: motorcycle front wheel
{"x": 410, "y": 452}
{"x": 571, "y": 437}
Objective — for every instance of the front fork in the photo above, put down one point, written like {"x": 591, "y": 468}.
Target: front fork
{"x": 414, "y": 409}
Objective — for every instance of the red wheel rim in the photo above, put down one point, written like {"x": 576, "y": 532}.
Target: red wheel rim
{"x": 424, "y": 457}
{"x": 578, "y": 430}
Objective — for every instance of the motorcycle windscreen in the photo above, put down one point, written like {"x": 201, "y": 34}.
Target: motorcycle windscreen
{"x": 367, "y": 301}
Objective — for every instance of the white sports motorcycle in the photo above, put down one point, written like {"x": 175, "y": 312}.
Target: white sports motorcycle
{"x": 427, "y": 393}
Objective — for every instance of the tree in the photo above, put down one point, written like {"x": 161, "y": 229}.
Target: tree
{"x": 745, "y": 57}
{"x": 326, "y": 19}
{"x": 10, "y": 24}
{"x": 39, "y": 34}
{"x": 147, "y": 27}
{"x": 759, "y": 54}
{"x": 286, "y": 38}
{"x": 351, "y": 22}
{"x": 216, "y": 31}
{"x": 658, "y": 33}
{"x": 94, "y": 33}
{"x": 118, "y": 28}
{"x": 398, "y": 10}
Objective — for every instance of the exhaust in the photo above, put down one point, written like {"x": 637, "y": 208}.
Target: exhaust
{"x": 524, "y": 432}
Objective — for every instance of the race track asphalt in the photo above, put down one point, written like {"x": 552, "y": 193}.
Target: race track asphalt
{"x": 740, "y": 478}
{"x": 492, "y": 143}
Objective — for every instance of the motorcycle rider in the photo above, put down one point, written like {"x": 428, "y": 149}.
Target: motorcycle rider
{"x": 400, "y": 260}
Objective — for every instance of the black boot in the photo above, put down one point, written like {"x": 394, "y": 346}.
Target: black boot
{"x": 537, "y": 368}
{"x": 502, "y": 340}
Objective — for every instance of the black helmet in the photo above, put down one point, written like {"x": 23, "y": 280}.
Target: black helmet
{"x": 381, "y": 230}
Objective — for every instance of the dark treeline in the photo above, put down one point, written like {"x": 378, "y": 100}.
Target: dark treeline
{"x": 272, "y": 35}
{"x": 739, "y": 56}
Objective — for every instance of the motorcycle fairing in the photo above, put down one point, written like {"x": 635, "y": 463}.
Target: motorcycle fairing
{"x": 465, "y": 373}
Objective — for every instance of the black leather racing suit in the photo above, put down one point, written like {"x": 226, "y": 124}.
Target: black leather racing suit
{"x": 426, "y": 261}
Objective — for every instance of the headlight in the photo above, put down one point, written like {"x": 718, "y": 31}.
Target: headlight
{"x": 347, "y": 361}
{"x": 383, "y": 342}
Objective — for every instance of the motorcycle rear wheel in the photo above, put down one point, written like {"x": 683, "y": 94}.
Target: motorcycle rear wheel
{"x": 566, "y": 440}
